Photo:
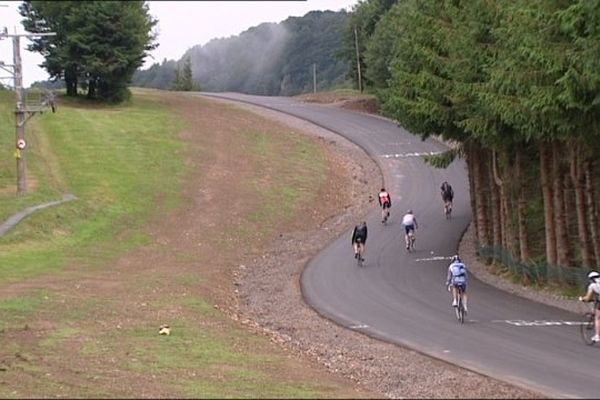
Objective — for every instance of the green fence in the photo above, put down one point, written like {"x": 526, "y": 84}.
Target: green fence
{"x": 566, "y": 277}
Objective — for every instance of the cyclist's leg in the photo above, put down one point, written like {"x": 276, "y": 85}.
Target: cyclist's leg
{"x": 597, "y": 324}
{"x": 454, "y": 295}
{"x": 464, "y": 297}
{"x": 355, "y": 247}
{"x": 363, "y": 247}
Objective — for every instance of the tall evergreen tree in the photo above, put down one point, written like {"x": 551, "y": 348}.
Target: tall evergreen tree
{"x": 101, "y": 43}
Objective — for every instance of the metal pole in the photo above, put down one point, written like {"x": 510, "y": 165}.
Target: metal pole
{"x": 19, "y": 117}
{"x": 357, "y": 60}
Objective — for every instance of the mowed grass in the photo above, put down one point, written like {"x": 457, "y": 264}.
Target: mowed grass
{"x": 110, "y": 158}
{"x": 119, "y": 161}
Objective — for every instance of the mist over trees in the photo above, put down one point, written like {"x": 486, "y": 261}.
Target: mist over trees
{"x": 516, "y": 84}
{"x": 98, "y": 44}
{"x": 269, "y": 59}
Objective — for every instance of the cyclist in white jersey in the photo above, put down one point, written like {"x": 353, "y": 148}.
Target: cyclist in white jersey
{"x": 410, "y": 224}
{"x": 593, "y": 294}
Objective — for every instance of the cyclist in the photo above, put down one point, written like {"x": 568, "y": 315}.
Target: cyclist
{"x": 410, "y": 224}
{"x": 457, "y": 276}
{"x": 359, "y": 239}
{"x": 447, "y": 196}
{"x": 385, "y": 202}
{"x": 593, "y": 294}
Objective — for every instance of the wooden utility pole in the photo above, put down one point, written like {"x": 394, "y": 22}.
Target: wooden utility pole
{"x": 22, "y": 112}
{"x": 357, "y": 60}
{"x": 314, "y": 78}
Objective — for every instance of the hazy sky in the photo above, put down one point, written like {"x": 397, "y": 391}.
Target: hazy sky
{"x": 181, "y": 25}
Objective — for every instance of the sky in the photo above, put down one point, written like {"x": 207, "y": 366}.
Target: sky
{"x": 181, "y": 25}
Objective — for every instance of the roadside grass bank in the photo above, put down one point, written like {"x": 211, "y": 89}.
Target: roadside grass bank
{"x": 172, "y": 193}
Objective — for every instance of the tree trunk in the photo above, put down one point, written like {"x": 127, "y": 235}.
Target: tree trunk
{"x": 592, "y": 210}
{"x": 560, "y": 217}
{"x": 71, "y": 81}
{"x": 91, "y": 94}
{"x": 548, "y": 196}
{"x": 480, "y": 207}
{"x": 578, "y": 179}
{"x": 471, "y": 173}
{"x": 522, "y": 206}
{"x": 495, "y": 183}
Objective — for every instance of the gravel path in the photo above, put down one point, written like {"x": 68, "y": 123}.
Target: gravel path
{"x": 270, "y": 301}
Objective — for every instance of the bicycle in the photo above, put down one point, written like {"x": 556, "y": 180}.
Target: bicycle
{"x": 359, "y": 255}
{"x": 410, "y": 241}
{"x": 588, "y": 326}
{"x": 448, "y": 209}
{"x": 385, "y": 215}
{"x": 460, "y": 307}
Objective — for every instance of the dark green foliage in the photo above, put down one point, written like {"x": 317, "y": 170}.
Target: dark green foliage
{"x": 182, "y": 78}
{"x": 269, "y": 59}
{"x": 99, "y": 44}
{"x": 357, "y": 31}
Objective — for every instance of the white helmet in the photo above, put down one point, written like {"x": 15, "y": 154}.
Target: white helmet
{"x": 593, "y": 275}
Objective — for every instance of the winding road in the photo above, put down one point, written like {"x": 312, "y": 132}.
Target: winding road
{"x": 400, "y": 297}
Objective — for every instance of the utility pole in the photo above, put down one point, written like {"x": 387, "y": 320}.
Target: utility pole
{"x": 22, "y": 111}
{"x": 314, "y": 78}
{"x": 357, "y": 60}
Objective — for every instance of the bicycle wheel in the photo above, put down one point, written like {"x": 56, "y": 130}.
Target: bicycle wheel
{"x": 587, "y": 328}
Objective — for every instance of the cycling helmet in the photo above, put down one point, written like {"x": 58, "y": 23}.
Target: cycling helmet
{"x": 455, "y": 258}
{"x": 383, "y": 189}
{"x": 409, "y": 212}
{"x": 593, "y": 275}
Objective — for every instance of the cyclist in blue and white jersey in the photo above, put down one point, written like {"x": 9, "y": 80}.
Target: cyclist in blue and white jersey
{"x": 457, "y": 276}
{"x": 593, "y": 294}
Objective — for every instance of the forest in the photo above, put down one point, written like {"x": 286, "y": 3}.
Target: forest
{"x": 516, "y": 85}
{"x": 268, "y": 59}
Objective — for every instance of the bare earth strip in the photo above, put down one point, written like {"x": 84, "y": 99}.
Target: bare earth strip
{"x": 77, "y": 348}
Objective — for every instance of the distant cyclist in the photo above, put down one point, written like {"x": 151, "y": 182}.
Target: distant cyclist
{"x": 457, "y": 276}
{"x": 593, "y": 294}
{"x": 385, "y": 202}
{"x": 359, "y": 239}
{"x": 410, "y": 224}
{"x": 447, "y": 196}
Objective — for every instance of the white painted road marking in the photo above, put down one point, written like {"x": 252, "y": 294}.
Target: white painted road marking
{"x": 520, "y": 322}
{"x": 403, "y": 155}
{"x": 436, "y": 258}
{"x": 359, "y": 326}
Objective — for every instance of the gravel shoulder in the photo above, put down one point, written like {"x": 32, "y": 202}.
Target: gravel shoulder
{"x": 270, "y": 301}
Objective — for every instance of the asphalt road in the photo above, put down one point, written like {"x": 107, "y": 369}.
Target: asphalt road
{"x": 400, "y": 297}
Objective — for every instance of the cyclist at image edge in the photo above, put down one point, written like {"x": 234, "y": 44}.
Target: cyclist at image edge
{"x": 359, "y": 239}
{"x": 593, "y": 294}
{"x": 385, "y": 202}
{"x": 447, "y": 194}
{"x": 457, "y": 276}
{"x": 410, "y": 224}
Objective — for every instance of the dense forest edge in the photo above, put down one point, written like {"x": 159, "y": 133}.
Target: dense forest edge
{"x": 516, "y": 85}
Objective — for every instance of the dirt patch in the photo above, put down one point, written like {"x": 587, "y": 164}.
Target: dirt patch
{"x": 344, "y": 99}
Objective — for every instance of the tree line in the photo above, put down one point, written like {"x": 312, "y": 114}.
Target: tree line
{"x": 268, "y": 59}
{"x": 516, "y": 83}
